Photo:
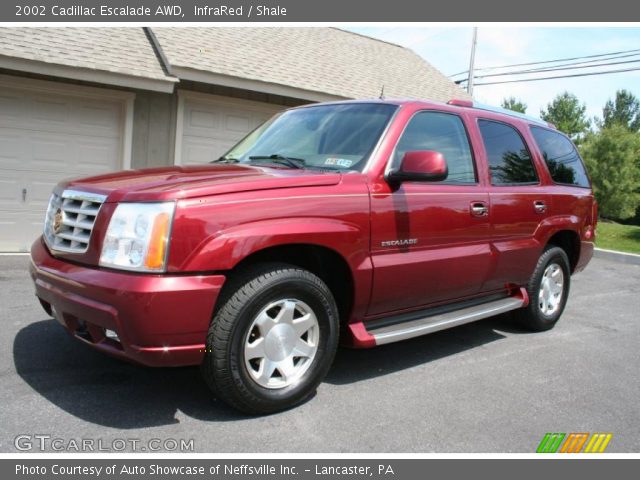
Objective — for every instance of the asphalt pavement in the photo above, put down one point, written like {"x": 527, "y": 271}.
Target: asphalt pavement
{"x": 482, "y": 387}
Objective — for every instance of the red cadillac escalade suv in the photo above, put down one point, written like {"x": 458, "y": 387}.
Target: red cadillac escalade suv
{"x": 364, "y": 221}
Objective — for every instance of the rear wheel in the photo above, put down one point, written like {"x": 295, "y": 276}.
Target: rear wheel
{"x": 548, "y": 290}
{"x": 273, "y": 339}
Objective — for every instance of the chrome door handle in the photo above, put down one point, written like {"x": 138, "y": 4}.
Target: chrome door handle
{"x": 539, "y": 206}
{"x": 479, "y": 209}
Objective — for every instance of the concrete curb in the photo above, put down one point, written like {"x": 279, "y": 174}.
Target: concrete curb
{"x": 621, "y": 257}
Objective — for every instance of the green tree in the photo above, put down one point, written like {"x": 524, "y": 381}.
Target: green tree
{"x": 624, "y": 110}
{"x": 511, "y": 103}
{"x": 612, "y": 156}
{"x": 568, "y": 115}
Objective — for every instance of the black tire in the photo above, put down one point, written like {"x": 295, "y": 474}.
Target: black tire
{"x": 224, "y": 368}
{"x": 532, "y": 317}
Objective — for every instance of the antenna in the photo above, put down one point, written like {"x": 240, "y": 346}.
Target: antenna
{"x": 382, "y": 93}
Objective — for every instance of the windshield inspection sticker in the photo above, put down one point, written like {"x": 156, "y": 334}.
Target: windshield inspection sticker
{"x": 340, "y": 162}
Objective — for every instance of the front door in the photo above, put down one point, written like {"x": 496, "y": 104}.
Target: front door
{"x": 430, "y": 241}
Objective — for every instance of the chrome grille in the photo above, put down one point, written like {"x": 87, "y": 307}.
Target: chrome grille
{"x": 70, "y": 219}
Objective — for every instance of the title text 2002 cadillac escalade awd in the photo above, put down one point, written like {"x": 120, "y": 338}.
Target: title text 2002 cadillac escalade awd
{"x": 368, "y": 221}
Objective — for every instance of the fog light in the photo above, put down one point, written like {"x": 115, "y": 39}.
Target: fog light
{"x": 112, "y": 335}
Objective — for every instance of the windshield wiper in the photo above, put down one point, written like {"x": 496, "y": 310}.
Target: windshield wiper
{"x": 277, "y": 158}
{"x": 225, "y": 160}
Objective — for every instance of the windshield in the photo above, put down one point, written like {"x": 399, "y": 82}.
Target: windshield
{"x": 339, "y": 136}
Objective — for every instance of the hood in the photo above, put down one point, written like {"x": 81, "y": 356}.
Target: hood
{"x": 158, "y": 184}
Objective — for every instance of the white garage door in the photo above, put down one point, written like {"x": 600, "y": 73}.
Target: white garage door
{"x": 45, "y": 136}
{"x": 211, "y": 125}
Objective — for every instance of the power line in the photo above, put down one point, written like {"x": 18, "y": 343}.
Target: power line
{"x": 578, "y": 64}
{"x": 613, "y": 55}
{"x": 551, "y": 69}
{"x": 587, "y": 74}
{"x": 550, "y": 61}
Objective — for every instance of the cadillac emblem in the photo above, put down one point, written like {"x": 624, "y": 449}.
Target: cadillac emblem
{"x": 57, "y": 221}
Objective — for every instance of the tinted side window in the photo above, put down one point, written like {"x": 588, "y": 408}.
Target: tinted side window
{"x": 440, "y": 132}
{"x": 561, "y": 157}
{"x": 509, "y": 159}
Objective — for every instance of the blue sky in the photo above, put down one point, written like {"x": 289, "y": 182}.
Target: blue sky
{"x": 448, "y": 48}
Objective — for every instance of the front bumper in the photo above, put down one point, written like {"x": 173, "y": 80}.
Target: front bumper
{"x": 160, "y": 320}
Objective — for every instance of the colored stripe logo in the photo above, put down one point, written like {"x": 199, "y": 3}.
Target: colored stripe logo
{"x": 574, "y": 443}
{"x": 550, "y": 443}
{"x": 598, "y": 443}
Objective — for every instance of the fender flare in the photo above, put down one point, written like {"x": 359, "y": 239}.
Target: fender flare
{"x": 552, "y": 225}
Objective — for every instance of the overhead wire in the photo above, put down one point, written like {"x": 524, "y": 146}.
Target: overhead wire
{"x": 536, "y": 79}
{"x": 596, "y": 56}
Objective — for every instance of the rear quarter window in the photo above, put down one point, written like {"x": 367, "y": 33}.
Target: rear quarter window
{"x": 562, "y": 159}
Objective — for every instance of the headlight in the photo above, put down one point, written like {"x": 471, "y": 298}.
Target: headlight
{"x": 138, "y": 237}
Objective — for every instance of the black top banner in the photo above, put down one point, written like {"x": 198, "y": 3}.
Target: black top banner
{"x": 149, "y": 11}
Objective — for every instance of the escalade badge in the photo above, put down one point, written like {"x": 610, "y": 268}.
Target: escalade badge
{"x": 57, "y": 221}
{"x": 405, "y": 242}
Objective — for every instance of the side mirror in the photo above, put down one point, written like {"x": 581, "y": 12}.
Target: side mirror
{"x": 421, "y": 166}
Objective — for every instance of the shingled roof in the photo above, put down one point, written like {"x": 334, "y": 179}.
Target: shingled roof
{"x": 124, "y": 56}
{"x": 311, "y": 63}
{"x": 315, "y": 59}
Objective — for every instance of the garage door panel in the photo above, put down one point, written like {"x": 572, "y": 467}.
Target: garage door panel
{"x": 60, "y": 114}
{"x": 48, "y": 152}
{"x": 37, "y": 188}
{"x": 50, "y": 111}
{"x": 11, "y": 151}
{"x": 45, "y": 138}
{"x": 10, "y": 106}
{"x": 29, "y": 150}
{"x": 104, "y": 116}
{"x": 58, "y": 128}
{"x": 205, "y": 151}
{"x": 95, "y": 156}
{"x": 9, "y": 191}
{"x": 11, "y": 185}
{"x": 237, "y": 123}
{"x": 19, "y": 230}
{"x": 212, "y": 127}
{"x": 11, "y": 226}
{"x": 199, "y": 119}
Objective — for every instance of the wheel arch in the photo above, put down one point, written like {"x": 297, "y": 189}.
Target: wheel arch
{"x": 569, "y": 241}
{"x": 335, "y": 250}
{"x": 329, "y": 265}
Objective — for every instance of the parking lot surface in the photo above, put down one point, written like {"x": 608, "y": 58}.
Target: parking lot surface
{"x": 483, "y": 387}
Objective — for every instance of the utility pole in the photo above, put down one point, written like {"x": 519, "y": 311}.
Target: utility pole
{"x": 474, "y": 40}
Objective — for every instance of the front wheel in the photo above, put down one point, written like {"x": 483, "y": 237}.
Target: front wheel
{"x": 548, "y": 290}
{"x": 273, "y": 340}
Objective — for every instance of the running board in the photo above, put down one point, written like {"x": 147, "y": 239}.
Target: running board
{"x": 430, "y": 324}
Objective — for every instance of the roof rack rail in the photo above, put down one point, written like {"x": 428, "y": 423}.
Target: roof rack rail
{"x": 504, "y": 111}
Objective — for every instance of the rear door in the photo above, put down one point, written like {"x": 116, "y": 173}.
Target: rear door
{"x": 518, "y": 203}
{"x": 430, "y": 241}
